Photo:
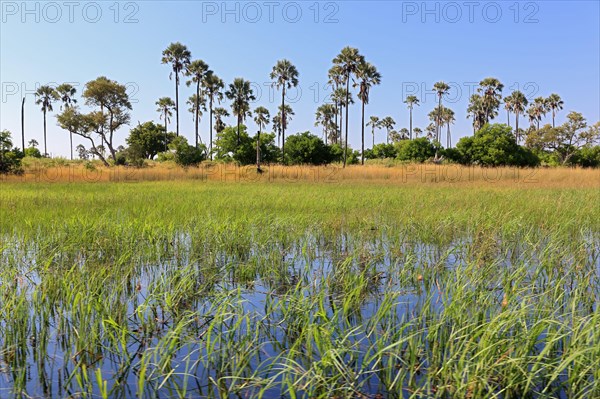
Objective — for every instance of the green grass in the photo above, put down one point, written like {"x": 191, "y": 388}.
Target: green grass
{"x": 196, "y": 289}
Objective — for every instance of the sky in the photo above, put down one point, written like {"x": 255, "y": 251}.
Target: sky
{"x": 538, "y": 47}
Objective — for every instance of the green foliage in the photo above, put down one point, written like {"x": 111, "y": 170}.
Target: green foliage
{"x": 306, "y": 148}
{"x": 228, "y": 150}
{"x": 186, "y": 154}
{"x": 494, "y": 145}
{"x": 33, "y": 152}
{"x": 148, "y": 139}
{"x": 381, "y": 151}
{"x": 417, "y": 150}
{"x": 588, "y": 157}
{"x": 10, "y": 159}
{"x": 337, "y": 154}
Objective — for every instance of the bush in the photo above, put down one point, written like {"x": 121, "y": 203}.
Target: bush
{"x": 33, "y": 152}
{"x": 244, "y": 153}
{"x": 306, "y": 148}
{"x": 185, "y": 154}
{"x": 337, "y": 154}
{"x": 494, "y": 145}
{"x": 381, "y": 151}
{"x": 588, "y": 157}
{"x": 10, "y": 160}
{"x": 417, "y": 150}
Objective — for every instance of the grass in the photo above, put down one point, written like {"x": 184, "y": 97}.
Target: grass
{"x": 300, "y": 288}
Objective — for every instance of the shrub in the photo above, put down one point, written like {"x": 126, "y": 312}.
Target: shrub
{"x": 306, "y": 148}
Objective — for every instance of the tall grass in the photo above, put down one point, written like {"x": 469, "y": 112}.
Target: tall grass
{"x": 270, "y": 289}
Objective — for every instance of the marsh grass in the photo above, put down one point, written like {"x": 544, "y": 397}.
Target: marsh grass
{"x": 270, "y": 289}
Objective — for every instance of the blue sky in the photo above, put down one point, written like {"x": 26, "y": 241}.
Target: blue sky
{"x": 540, "y": 47}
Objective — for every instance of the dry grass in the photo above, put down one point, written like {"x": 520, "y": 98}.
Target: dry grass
{"x": 399, "y": 174}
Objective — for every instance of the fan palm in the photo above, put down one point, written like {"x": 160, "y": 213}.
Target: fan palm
{"x": 220, "y": 113}
{"x": 367, "y": 76}
{"x": 241, "y": 94}
{"x": 490, "y": 90}
{"x": 197, "y": 105}
{"x": 418, "y": 131}
{"x": 349, "y": 61}
{"x": 388, "y": 123}
{"x": 285, "y": 76}
{"x": 178, "y": 56}
{"x": 324, "y": 116}
{"x": 213, "y": 86}
{"x": 66, "y": 92}
{"x": 336, "y": 79}
{"x": 197, "y": 70}
{"x": 375, "y": 123}
{"x": 45, "y": 96}
{"x": 440, "y": 88}
{"x": 519, "y": 103}
{"x": 411, "y": 101}
{"x": 555, "y": 103}
{"x": 508, "y": 106}
{"x": 476, "y": 111}
{"x": 261, "y": 118}
{"x": 165, "y": 109}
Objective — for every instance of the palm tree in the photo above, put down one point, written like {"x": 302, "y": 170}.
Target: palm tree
{"x": 324, "y": 116}
{"x": 388, "y": 123}
{"x": 490, "y": 90}
{"x": 476, "y": 111}
{"x": 66, "y": 92}
{"x": 197, "y": 105}
{"x": 220, "y": 113}
{"x": 431, "y": 129}
{"x": 261, "y": 117}
{"x": 448, "y": 119}
{"x": 375, "y": 123}
{"x": 165, "y": 110}
{"x": 555, "y": 103}
{"x": 348, "y": 60}
{"x": 178, "y": 56}
{"x": 277, "y": 127}
{"x": 336, "y": 79}
{"x": 284, "y": 116}
{"x": 198, "y": 70}
{"x": 411, "y": 101}
{"x": 285, "y": 76}
{"x": 45, "y": 95}
{"x": 417, "y": 132}
{"x": 367, "y": 76}
{"x": 519, "y": 102}
{"x": 342, "y": 98}
{"x": 440, "y": 88}
{"x": 213, "y": 86}
{"x": 508, "y": 106}
{"x": 241, "y": 94}
{"x": 539, "y": 108}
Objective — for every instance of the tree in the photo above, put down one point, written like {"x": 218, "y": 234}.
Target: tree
{"x": 519, "y": 103}
{"x": 148, "y": 139}
{"x": 494, "y": 145}
{"x": 285, "y": 76}
{"x": 441, "y": 89}
{"x": 261, "y": 118}
{"x": 325, "y": 116}
{"x": 367, "y": 76}
{"x": 283, "y": 117}
{"x": 411, "y": 101}
{"x": 305, "y": 148}
{"x": 417, "y": 150}
{"x": 165, "y": 109}
{"x": 418, "y": 131}
{"x": 197, "y": 70}
{"x": 508, "y": 106}
{"x": 388, "y": 124}
{"x": 341, "y": 97}
{"x": 45, "y": 96}
{"x": 197, "y": 105}
{"x": 476, "y": 111}
{"x": 178, "y": 56}
{"x": 10, "y": 158}
{"x": 348, "y": 60}
{"x": 336, "y": 79}
{"x": 241, "y": 94}
{"x": 375, "y": 123}
{"x": 448, "y": 119}
{"x": 85, "y": 125}
{"x": 555, "y": 103}
{"x": 112, "y": 99}
{"x": 537, "y": 110}
{"x": 186, "y": 154}
{"x": 220, "y": 113}
{"x": 244, "y": 153}
{"x": 490, "y": 90}
{"x": 213, "y": 86}
{"x": 66, "y": 93}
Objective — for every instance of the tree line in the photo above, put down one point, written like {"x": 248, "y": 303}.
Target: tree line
{"x": 349, "y": 74}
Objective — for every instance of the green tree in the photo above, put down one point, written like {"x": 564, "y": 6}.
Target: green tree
{"x": 417, "y": 150}
{"x": 220, "y": 113}
{"x": 45, "y": 96}
{"x": 197, "y": 70}
{"x": 490, "y": 90}
{"x": 555, "y": 103}
{"x": 508, "y": 106}
{"x": 417, "y": 131}
{"x": 148, "y": 139}
{"x": 411, "y": 101}
{"x": 388, "y": 124}
{"x": 476, "y": 111}
{"x": 325, "y": 117}
{"x": 375, "y": 123}
{"x": 197, "y": 105}
{"x": 10, "y": 158}
{"x": 285, "y": 76}
{"x": 178, "y": 56}
{"x": 519, "y": 104}
{"x": 241, "y": 94}
{"x": 336, "y": 80}
{"x": 348, "y": 60}
{"x": 213, "y": 86}
{"x": 441, "y": 88}
{"x": 113, "y": 101}
{"x": 186, "y": 154}
{"x": 244, "y": 153}
{"x": 367, "y": 77}
{"x": 305, "y": 148}
{"x": 86, "y": 126}
{"x": 165, "y": 110}
{"x": 66, "y": 93}
{"x": 261, "y": 118}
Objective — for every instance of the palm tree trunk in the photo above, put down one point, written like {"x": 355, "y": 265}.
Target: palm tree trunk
{"x": 362, "y": 154}
{"x": 197, "y": 110}
{"x": 166, "y": 135}
{"x": 211, "y": 128}
{"x": 283, "y": 124}
{"x": 508, "y": 117}
{"x": 71, "y": 139}
{"x": 448, "y": 143}
{"x": 23, "y": 123}
{"x": 239, "y": 122}
{"x": 517, "y": 126}
{"x": 347, "y": 106}
{"x": 258, "y": 148}
{"x": 411, "y": 134}
{"x": 439, "y": 119}
{"x": 339, "y": 136}
{"x": 45, "y": 147}
{"x": 553, "y": 115}
{"x": 373, "y": 133}
{"x": 177, "y": 101}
